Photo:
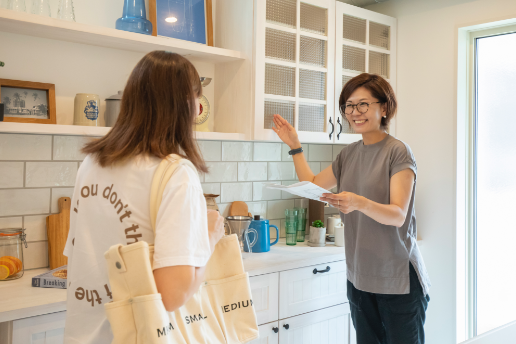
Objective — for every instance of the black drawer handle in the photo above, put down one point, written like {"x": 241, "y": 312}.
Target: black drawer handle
{"x": 321, "y": 271}
{"x": 332, "y": 128}
{"x": 275, "y": 329}
{"x": 338, "y": 121}
{"x": 286, "y": 326}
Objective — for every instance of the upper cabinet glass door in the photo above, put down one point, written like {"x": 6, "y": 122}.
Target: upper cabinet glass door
{"x": 365, "y": 43}
{"x": 295, "y": 67}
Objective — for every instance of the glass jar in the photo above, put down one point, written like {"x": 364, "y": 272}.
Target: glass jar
{"x": 11, "y": 253}
{"x": 301, "y": 224}
{"x": 291, "y": 226}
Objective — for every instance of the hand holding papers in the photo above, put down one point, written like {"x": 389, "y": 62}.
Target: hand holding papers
{"x": 302, "y": 189}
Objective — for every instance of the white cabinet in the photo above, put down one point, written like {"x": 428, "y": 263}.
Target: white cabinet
{"x": 269, "y": 334}
{"x": 264, "y": 289}
{"x": 365, "y": 42}
{"x": 326, "y": 326}
{"x": 311, "y": 288}
{"x": 43, "y": 329}
{"x": 294, "y": 64}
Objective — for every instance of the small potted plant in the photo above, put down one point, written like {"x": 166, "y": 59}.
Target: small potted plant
{"x": 317, "y": 234}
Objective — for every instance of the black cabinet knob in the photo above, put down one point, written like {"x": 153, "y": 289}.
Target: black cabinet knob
{"x": 275, "y": 329}
{"x": 286, "y": 326}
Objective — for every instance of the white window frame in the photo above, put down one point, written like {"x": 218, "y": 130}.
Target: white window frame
{"x": 466, "y": 161}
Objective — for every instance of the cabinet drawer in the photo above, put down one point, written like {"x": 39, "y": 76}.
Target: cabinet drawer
{"x": 265, "y": 290}
{"x": 268, "y": 334}
{"x": 303, "y": 291}
{"x": 328, "y": 326}
{"x": 47, "y": 328}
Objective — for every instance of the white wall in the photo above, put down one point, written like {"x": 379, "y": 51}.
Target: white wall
{"x": 427, "y": 84}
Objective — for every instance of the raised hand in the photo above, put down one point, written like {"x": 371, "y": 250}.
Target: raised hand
{"x": 286, "y": 132}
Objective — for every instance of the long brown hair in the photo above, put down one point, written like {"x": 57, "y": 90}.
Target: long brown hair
{"x": 379, "y": 88}
{"x": 156, "y": 113}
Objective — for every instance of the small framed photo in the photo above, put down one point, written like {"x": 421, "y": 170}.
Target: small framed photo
{"x": 28, "y": 102}
{"x": 189, "y": 20}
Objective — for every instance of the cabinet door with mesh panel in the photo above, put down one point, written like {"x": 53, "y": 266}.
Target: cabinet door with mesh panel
{"x": 294, "y": 65}
{"x": 365, "y": 42}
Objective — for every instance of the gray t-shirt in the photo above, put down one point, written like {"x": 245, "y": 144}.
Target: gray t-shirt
{"x": 377, "y": 255}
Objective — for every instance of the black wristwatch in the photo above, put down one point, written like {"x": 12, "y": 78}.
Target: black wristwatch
{"x": 296, "y": 151}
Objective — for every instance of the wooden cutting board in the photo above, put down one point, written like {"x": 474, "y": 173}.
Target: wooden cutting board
{"x": 58, "y": 226}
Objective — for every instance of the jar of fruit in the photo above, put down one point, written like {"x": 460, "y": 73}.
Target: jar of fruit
{"x": 11, "y": 253}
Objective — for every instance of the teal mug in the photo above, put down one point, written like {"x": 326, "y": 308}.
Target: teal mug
{"x": 263, "y": 242}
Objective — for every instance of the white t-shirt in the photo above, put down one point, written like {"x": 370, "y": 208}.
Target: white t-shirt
{"x": 111, "y": 206}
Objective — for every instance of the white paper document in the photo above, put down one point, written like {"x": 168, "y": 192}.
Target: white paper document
{"x": 302, "y": 189}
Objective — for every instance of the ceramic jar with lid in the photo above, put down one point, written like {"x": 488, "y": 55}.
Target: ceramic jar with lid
{"x": 113, "y": 109}
{"x": 11, "y": 253}
{"x": 87, "y": 110}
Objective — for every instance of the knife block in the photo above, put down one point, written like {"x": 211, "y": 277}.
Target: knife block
{"x": 315, "y": 212}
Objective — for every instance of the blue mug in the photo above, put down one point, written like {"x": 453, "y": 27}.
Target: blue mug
{"x": 263, "y": 242}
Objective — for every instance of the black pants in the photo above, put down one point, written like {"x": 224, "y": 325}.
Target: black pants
{"x": 389, "y": 319}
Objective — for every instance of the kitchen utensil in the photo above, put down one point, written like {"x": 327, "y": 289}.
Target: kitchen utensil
{"x": 339, "y": 235}
{"x": 239, "y": 225}
{"x": 291, "y": 226}
{"x": 1, "y": 112}
{"x": 205, "y": 81}
{"x": 11, "y": 253}
{"x": 41, "y": 7}
{"x": 262, "y": 227}
{"x": 87, "y": 110}
{"x": 332, "y": 222}
{"x": 113, "y": 109}
{"x": 58, "y": 226}
{"x": 301, "y": 224}
{"x": 239, "y": 208}
{"x": 65, "y": 11}
{"x": 317, "y": 237}
{"x": 134, "y": 18}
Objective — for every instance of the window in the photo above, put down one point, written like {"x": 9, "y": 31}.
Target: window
{"x": 487, "y": 167}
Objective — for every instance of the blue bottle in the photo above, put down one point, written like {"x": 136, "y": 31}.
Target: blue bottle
{"x": 134, "y": 18}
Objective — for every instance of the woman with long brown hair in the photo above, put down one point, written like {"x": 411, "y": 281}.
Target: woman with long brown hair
{"x": 111, "y": 199}
{"x": 376, "y": 179}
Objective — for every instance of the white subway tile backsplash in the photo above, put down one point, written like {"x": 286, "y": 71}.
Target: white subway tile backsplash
{"x": 35, "y": 255}
{"x": 212, "y": 188}
{"x": 336, "y": 150}
{"x": 261, "y": 193}
{"x": 36, "y": 227}
{"x": 231, "y": 192}
{"x": 288, "y": 195}
{"x": 69, "y": 147}
{"x": 221, "y": 172}
{"x": 11, "y": 222}
{"x": 320, "y": 153}
{"x": 224, "y": 209}
{"x": 24, "y": 202}
{"x": 267, "y": 151}
{"x": 285, "y": 149}
{"x": 315, "y": 167}
{"x": 25, "y": 147}
{"x": 40, "y": 174}
{"x": 276, "y": 209}
{"x": 237, "y": 151}
{"x": 57, "y": 193}
{"x": 211, "y": 150}
{"x": 11, "y": 175}
{"x": 281, "y": 171}
{"x": 252, "y": 171}
{"x": 258, "y": 208}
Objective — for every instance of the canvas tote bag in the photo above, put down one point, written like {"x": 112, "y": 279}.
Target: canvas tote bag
{"x": 221, "y": 311}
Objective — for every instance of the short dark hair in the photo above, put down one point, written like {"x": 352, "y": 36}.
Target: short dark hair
{"x": 379, "y": 88}
{"x": 156, "y": 115}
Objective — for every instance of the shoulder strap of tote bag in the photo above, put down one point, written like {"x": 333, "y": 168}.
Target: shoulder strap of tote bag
{"x": 163, "y": 173}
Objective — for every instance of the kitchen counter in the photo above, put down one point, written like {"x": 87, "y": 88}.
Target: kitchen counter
{"x": 18, "y": 299}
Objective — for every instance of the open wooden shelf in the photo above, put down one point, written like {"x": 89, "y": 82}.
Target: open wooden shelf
{"x": 46, "y": 27}
{"x": 78, "y": 130}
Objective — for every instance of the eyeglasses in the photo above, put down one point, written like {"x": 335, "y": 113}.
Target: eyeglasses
{"x": 361, "y": 107}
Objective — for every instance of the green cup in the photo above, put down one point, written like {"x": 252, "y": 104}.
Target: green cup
{"x": 301, "y": 224}
{"x": 291, "y": 226}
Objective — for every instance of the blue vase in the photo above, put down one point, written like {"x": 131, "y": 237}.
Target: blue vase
{"x": 134, "y": 18}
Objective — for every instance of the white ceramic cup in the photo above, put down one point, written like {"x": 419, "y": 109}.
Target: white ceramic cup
{"x": 339, "y": 235}
{"x": 332, "y": 222}
{"x": 87, "y": 110}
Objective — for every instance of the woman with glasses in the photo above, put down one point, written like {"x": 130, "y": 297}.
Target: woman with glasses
{"x": 376, "y": 179}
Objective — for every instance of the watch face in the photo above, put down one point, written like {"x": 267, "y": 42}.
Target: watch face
{"x": 204, "y": 110}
